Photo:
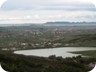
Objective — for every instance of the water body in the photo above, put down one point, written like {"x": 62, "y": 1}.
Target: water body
{"x": 64, "y": 51}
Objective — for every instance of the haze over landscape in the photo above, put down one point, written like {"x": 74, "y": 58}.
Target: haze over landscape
{"x": 48, "y": 35}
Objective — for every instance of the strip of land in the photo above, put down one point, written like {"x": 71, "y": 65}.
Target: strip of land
{"x": 91, "y": 53}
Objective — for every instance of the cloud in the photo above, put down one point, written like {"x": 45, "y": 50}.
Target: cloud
{"x": 71, "y": 7}
{"x": 1, "y": 2}
{"x": 47, "y": 5}
{"x": 33, "y": 11}
{"x": 45, "y": 16}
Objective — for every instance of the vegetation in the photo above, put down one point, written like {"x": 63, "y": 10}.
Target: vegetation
{"x": 44, "y": 36}
{"x": 86, "y": 53}
{"x": 20, "y": 63}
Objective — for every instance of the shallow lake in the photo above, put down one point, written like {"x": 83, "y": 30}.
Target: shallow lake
{"x": 63, "y": 51}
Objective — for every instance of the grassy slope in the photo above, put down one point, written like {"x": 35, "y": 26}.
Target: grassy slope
{"x": 20, "y": 63}
{"x": 86, "y": 53}
{"x": 87, "y": 40}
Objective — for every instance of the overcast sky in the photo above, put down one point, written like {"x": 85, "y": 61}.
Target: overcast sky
{"x": 40, "y": 11}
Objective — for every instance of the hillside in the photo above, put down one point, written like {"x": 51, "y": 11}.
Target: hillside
{"x": 20, "y": 63}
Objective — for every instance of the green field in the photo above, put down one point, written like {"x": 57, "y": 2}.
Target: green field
{"x": 91, "y": 53}
{"x": 41, "y": 36}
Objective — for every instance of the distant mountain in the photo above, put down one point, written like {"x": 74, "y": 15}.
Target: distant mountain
{"x": 22, "y": 24}
{"x": 6, "y": 25}
{"x": 70, "y": 23}
{"x": 50, "y": 23}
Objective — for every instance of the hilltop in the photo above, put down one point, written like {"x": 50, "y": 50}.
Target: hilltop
{"x": 66, "y": 22}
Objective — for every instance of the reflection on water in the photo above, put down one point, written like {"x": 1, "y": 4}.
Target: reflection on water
{"x": 54, "y": 51}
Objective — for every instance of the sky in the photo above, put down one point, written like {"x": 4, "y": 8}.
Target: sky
{"x": 41, "y": 11}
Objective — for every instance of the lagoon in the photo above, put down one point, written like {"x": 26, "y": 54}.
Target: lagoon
{"x": 62, "y": 51}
